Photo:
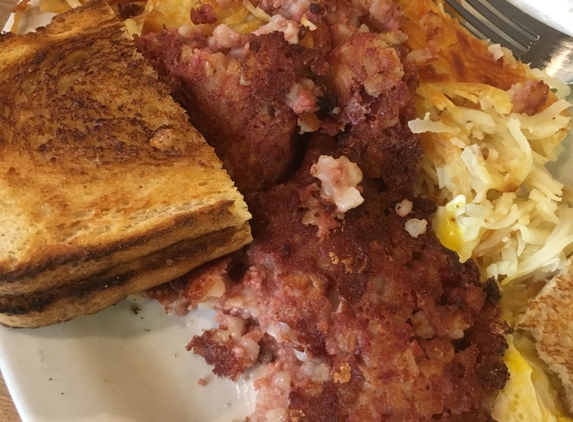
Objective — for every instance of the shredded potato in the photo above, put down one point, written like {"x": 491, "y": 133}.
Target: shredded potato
{"x": 18, "y": 11}
{"x": 54, "y": 6}
{"x": 241, "y": 18}
{"x": 485, "y": 166}
{"x": 514, "y": 223}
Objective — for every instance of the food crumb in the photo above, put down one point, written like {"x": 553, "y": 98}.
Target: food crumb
{"x": 135, "y": 309}
{"x": 146, "y": 329}
{"x": 415, "y": 227}
{"x": 496, "y": 51}
{"x": 343, "y": 374}
{"x": 403, "y": 208}
{"x": 202, "y": 382}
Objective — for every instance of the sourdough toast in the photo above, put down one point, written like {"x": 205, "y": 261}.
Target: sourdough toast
{"x": 98, "y": 165}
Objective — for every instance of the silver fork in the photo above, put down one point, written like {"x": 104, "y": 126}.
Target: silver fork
{"x": 530, "y": 40}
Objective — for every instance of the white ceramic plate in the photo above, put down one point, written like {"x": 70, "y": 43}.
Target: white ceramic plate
{"x": 126, "y": 366}
{"x": 118, "y": 366}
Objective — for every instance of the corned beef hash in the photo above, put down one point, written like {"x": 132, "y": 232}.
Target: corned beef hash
{"x": 403, "y": 214}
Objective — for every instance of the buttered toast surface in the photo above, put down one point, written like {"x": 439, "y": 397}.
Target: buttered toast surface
{"x": 98, "y": 165}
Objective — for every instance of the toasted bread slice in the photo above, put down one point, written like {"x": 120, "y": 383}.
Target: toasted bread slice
{"x": 102, "y": 290}
{"x": 549, "y": 319}
{"x": 98, "y": 165}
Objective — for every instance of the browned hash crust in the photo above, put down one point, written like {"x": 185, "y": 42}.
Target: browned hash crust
{"x": 250, "y": 127}
{"x": 406, "y": 331}
{"x": 384, "y": 287}
{"x": 218, "y": 354}
{"x": 239, "y": 107}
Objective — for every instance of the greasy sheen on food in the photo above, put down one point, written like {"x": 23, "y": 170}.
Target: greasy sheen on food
{"x": 347, "y": 303}
{"x": 101, "y": 174}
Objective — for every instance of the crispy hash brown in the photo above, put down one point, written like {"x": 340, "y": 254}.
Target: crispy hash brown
{"x": 488, "y": 127}
{"x": 354, "y": 309}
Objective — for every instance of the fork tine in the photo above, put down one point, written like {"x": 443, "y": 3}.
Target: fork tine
{"x": 513, "y": 29}
{"x": 485, "y": 31}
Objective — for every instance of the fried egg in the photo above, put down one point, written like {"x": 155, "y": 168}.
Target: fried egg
{"x": 527, "y": 396}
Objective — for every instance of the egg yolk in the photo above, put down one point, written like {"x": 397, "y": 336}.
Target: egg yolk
{"x": 450, "y": 233}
